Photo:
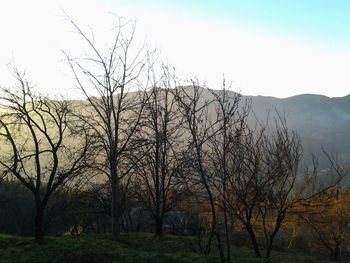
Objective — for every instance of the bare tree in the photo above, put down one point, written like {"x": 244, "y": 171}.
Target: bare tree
{"x": 161, "y": 171}
{"x": 328, "y": 217}
{"x": 328, "y": 214}
{"x": 38, "y": 147}
{"x": 109, "y": 80}
{"x": 243, "y": 179}
{"x": 253, "y": 179}
{"x": 231, "y": 121}
{"x": 267, "y": 182}
{"x": 201, "y": 128}
{"x": 281, "y": 156}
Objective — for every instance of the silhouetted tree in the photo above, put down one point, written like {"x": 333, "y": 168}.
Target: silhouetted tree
{"x": 231, "y": 121}
{"x": 201, "y": 128}
{"x": 108, "y": 79}
{"x": 37, "y": 144}
{"x": 160, "y": 173}
{"x": 267, "y": 183}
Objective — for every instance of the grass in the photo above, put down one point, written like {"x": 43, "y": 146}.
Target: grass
{"x": 134, "y": 247}
{"x": 131, "y": 248}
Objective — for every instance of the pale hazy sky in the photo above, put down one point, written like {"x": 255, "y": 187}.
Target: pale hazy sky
{"x": 273, "y": 47}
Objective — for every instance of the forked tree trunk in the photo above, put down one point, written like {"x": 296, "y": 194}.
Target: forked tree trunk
{"x": 270, "y": 244}
{"x": 253, "y": 239}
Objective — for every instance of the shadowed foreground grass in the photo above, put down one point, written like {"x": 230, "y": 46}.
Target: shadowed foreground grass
{"x": 135, "y": 247}
{"x": 91, "y": 250}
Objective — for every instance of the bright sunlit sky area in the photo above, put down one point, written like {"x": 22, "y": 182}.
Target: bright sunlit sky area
{"x": 275, "y": 48}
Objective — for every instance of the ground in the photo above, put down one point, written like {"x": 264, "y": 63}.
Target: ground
{"x": 135, "y": 247}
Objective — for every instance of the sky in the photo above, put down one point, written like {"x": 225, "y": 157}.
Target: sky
{"x": 271, "y": 47}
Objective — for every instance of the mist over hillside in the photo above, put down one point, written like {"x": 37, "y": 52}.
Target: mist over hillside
{"x": 321, "y": 121}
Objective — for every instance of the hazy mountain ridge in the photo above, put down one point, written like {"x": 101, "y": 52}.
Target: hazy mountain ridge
{"x": 320, "y": 120}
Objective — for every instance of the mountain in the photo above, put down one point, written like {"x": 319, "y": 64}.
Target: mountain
{"x": 321, "y": 122}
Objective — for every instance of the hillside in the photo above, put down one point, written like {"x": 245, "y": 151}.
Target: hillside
{"x": 321, "y": 121}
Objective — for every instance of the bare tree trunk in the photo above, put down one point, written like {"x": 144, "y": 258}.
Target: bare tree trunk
{"x": 212, "y": 205}
{"x": 114, "y": 202}
{"x": 271, "y": 240}
{"x": 269, "y": 248}
{"x": 227, "y": 233}
{"x": 211, "y": 201}
{"x": 39, "y": 224}
{"x": 220, "y": 247}
{"x": 337, "y": 250}
{"x": 253, "y": 239}
{"x": 159, "y": 226}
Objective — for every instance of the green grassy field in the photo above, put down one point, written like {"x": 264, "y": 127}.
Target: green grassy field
{"x": 135, "y": 247}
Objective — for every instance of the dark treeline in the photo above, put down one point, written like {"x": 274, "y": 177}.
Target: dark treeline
{"x": 147, "y": 152}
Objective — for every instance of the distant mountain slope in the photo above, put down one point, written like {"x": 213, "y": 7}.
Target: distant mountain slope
{"x": 320, "y": 121}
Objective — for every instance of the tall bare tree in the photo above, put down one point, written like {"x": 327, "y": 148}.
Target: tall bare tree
{"x": 205, "y": 130}
{"x": 267, "y": 182}
{"x": 38, "y": 145}
{"x": 194, "y": 108}
{"x": 161, "y": 171}
{"x": 109, "y": 80}
{"x": 231, "y": 121}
